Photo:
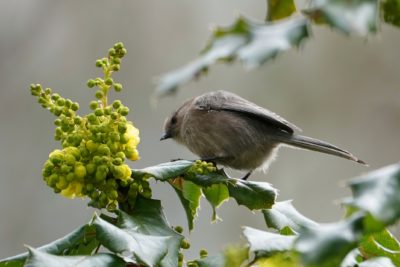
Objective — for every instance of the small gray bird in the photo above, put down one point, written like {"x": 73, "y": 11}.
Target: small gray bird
{"x": 229, "y": 130}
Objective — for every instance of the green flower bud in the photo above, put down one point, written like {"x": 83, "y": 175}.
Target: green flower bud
{"x": 185, "y": 244}
{"x": 69, "y": 159}
{"x": 68, "y": 103}
{"x": 80, "y": 172}
{"x": 103, "y": 150}
{"x": 118, "y": 87}
{"x": 118, "y": 46}
{"x": 114, "y": 136}
{"x": 57, "y": 122}
{"x": 116, "y": 104}
{"x": 53, "y": 180}
{"x": 47, "y": 91}
{"x": 122, "y": 52}
{"x": 98, "y": 112}
{"x": 57, "y": 111}
{"x": 146, "y": 193}
{"x": 124, "y": 111}
{"x": 117, "y": 161}
{"x": 91, "y": 146}
{"x": 114, "y": 115}
{"x": 75, "y": 106}
{"x": 111, "y": 52}
{"x": 90, "y": 168}
{"x": 70, "y": 177}
{"x": 108, "y": 110}
{"x": 95, "y": 195}
{"x": 120, "y": 155}
{"x": 203, "y": 253}
{"x": 91, "y": 83}
{"x": 122, "y": 127}
{"x": 77, "y": 120}
{"x": 113, "y": 195}
{"x": 55, "y": 96}
{"x": 65, "y": 169}
{"x": 61, "y": 102}
{"x": 89, "y": 188}
{"x": 100, "y": 175}
{"x": 116, "y": 67}
{"x": 56, "y": 157}
{"x": 93, "y": 105}
{"x": 179, "y": 229}
{"x": 99, "y": 94}
{"x": 103, "y": 200}
{"x": 109, "y": 81}
{"x": 99, "y": 63}
{"x": 116, "y": 60}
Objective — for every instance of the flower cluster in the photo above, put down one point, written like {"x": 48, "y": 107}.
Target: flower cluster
{"x": 95, "y": 146}
{"x": 202, "y": 167}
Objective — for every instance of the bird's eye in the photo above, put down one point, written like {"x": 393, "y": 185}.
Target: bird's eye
{"x": 173, "y": 120}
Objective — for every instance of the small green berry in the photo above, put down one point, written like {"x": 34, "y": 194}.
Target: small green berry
{"x": 75, "y": 106}
{"x": 91, "y": 83}
{"x": 179, "y": 229}
{"x": 99, "y": 112}
{"x": 116, "y": 104}
{"x": 124, "y": 111}
{"x": 60, "y": 102}
{"x": 93, "y": 105}
{"x": 203, "y": 253}
{"x": 109, "y": 81}
{"x": 99, "y": 63}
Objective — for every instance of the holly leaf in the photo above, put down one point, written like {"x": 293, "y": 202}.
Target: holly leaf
{"x": 80, "y": 241}
{"x": 253, "y": 195}
{"x": 382, "y": 244}
{"x": 212, "y": 261}
{"x": 206, "y": 180}
{"x": 328, "y": 244}
{"x": 250, "y": 42}
{"x": 146, "y": 249}
{"x": 189, "y": 195}
{"x": 42, "y": 259}
{"x": 265, "y": 244}
{"x": 165, "y": 171}
{"x": 351, "y": 17}
{"x": 283, "y": 215}
{"x": 279, "y": 9}
{"x": 391, "y": 12}
{"x": 216, "y": 194}
{"x": 377, "y": 192}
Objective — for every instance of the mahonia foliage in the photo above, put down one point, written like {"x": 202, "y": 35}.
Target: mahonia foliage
{"x": 92, "y": 161}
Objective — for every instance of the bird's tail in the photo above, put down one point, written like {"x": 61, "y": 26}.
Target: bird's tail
{"x": 318, "y": 145}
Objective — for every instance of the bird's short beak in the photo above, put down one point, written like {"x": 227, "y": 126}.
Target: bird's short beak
{"x": 165, "y": 136}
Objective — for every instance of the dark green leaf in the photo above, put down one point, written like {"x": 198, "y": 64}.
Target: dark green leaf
{"x": 253, "y": 195}
{"x": 378, "y": 193}
{"x": 279, "y": 9}
{"x": 356, "y": 17}
{"x": 265, "y": 244}
{"x": 189, "y": 194}
{"x": 148, "y": 218}
{"x": 146, "y": 249}
{"x": 212, "y": 178}
{"x": 252, "y": 43}
{"x": 328, "y": 244}
{"x": 391, "y": 11}
{"x": 165, "y": 171}
{"x": 212, "y": 261}
{"x": 79, "y": 237}
{"x": 283, "y": 214}
{"x": 41, "y": 259}
{"x": 216, "y": 195}
{"x": 382, "y": 244}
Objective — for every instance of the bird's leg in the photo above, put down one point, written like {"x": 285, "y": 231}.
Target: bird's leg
{"x": 247, "y": 175}
{"x": 172, "y": 160}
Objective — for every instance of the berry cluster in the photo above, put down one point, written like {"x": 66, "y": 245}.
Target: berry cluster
{"x": 94, "y": 147}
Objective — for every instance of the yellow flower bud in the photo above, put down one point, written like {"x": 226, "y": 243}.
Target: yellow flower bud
{"x": 80, "y": 172}
{"x": 73, "y": 190}
{"x": 91, "y": 146}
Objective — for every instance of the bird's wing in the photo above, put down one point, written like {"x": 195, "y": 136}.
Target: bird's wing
{"x": 226, "y": 101}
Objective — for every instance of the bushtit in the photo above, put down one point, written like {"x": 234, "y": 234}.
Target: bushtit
{"x": 229, "y": 130}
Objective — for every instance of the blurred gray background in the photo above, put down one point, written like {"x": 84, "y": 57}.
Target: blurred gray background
{"x": 342, "y": 90}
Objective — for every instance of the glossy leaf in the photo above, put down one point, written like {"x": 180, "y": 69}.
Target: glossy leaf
{"x": 189, "y": 195}
{"x": 328, "y": 244}
{"x": 146, "y": 249}
{"x": 378, "y": 193}
{"x": 206, "y": 180}
{"x": 212, "y": 261}
{"x": 41, "y": 259}
{"x": 382, "y": 244}
{"x": 353, "y": 17}
{"x": 253, "y": 195}
{"x": 63, "y": 246}
{"x": 283, "y": 214}
{"x": 391, "y": 12}
{"x": 216, "y": 194}
{"x": 148, "y": 218}
{"x": 265, "y": 243}
{"x": 165, "y": 171}
{"x": 252, "y": 43}
{"x": 279, "y": 9}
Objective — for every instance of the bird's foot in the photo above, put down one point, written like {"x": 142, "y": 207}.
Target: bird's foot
{"x": 247, "y": 175}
